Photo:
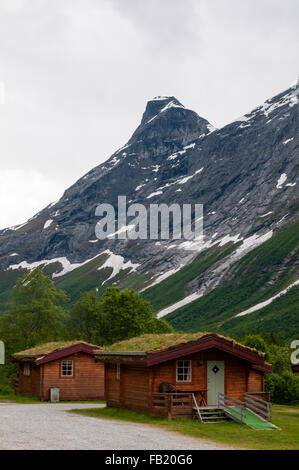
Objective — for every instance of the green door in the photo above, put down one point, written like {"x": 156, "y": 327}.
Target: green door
{"x": 215, "y": 381}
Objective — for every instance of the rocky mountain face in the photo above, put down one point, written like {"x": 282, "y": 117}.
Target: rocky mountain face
{"x": 245, "y": 175}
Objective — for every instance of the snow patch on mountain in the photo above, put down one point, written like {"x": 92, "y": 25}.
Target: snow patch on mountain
{"x": 267, "y": 213}
{"x": 156, "y": 193}
{"x": 140, "y": 186}
{"x": 117, "y": 263}
{"x": 123, "y": 229}
{"x": 248, "y": 244}
{"x": 281, "y": 180}
{"x": 67, "y": 266}
{"x": 285, "y": 142}
{"x": 169, "y": 105}
{"x": 179, "y": 304}
{"x": 187, "y": 178}
{"x": 48, "y": 223}
{"x": 162, "y": 276}
{"x": 266, "y": 302}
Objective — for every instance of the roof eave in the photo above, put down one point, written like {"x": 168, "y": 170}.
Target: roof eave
{"x": 67, "y": 351}
{"x": 120, "y": 353}
{"x": 25, "y": 357}
{"x": 267, "y": 368}
{"x": 203, "y": 343}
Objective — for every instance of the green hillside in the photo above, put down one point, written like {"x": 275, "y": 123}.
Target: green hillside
{"x": 174, "y": 287}
{"x": 259, "y": 275}
{"x": 82, "y": 279}
{"x": 280, "y": 316}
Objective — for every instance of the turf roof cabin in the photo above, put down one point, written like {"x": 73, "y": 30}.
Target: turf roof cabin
{"x": 145, "y": 373}
{"x": 70, "y": 366}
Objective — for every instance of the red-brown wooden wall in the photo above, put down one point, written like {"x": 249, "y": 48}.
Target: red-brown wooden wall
{"x": 87, "y": 383}
{"x": 137, "y": 384}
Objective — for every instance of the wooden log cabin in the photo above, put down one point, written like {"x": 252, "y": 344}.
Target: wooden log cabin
{"x": 69, "y": 366}
{"x": 163, "y": 374}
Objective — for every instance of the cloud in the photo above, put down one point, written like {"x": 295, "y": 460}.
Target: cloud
{"x": 77, "y": 76}
{"x": 23, "y": 193}
{"x": 168, "y": 27}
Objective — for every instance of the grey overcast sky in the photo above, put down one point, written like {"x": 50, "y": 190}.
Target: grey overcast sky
{"x": 77, "y": 75}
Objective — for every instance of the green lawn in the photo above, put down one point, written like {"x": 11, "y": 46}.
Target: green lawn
{"x": 230, "y": 433}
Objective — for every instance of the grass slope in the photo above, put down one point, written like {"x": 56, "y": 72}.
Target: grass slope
{"x": 281, "y": 315}
{"x": 259, "y": 275}
{"x": 174, "y": 287}
{"x": 230, "y": 432}
{"x": 82, "y": 279}
{"x": 85, "y": 278}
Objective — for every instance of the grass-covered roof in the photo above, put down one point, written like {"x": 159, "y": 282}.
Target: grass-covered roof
{"x": 156, "y": 342}
{"x": 47, "y": 348}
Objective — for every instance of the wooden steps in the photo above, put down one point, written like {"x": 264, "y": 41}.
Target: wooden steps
{"x": 211, "y": 415}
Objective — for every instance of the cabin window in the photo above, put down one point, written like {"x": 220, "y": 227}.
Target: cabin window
{"x": 67, "y": 368}
{"x": 117, "y": 371}
{"x": 26, "y": 369}
{"x": 183, "y": 371}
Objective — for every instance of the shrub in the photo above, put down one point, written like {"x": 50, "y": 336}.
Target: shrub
{"x": 255, "y": 341}
{"x": 284, "y": 388}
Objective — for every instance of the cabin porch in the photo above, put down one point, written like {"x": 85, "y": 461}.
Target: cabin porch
{"x": 194, "y": 403}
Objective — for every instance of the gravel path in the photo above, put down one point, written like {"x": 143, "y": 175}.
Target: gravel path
{"x": 49, "y": 426}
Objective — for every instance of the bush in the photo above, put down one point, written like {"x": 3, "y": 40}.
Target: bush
{"x": 5, "y": 389}
{"x": 254, "y": 341}
{"x": 280, "y": 358}
{"x": 284, "y": 387}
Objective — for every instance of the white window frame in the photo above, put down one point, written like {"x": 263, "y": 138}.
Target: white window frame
{"x": 72, "y": 366}
{"x": 27, "y": 369}
{"x": 183, "y": 366}
{"x": 117, "y": 371}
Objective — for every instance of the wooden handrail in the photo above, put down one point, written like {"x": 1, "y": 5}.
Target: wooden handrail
{"x": 258, "y": 406}
{"x": 266, "y": 395}
{"x": 225, "y": 402}
{"x": 196, "y": 407}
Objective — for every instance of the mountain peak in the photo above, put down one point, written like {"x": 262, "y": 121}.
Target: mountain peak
{"x": 158, "y": 105}
{"x": 166, "y": 118}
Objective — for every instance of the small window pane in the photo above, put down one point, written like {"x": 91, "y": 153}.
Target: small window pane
{"x": 26, "y": 369}
{"x": 67, "y": 368}
{"x": 183, "y": 373}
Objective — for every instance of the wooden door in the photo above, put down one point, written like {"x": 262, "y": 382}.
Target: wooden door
{"x": 215, "y": 381}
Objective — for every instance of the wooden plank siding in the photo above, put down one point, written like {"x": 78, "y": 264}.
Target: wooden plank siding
{"x": 236, "y": 374}
{"x": 138, "y": 387}
{"x": 135, "y": 387}
{"x": 87, "y": 382}
{"x": 255, "y": 381}
{"x": 131, "y": 391}
{"x": 29, "y": 384}
{"x": 112, "y": 386}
